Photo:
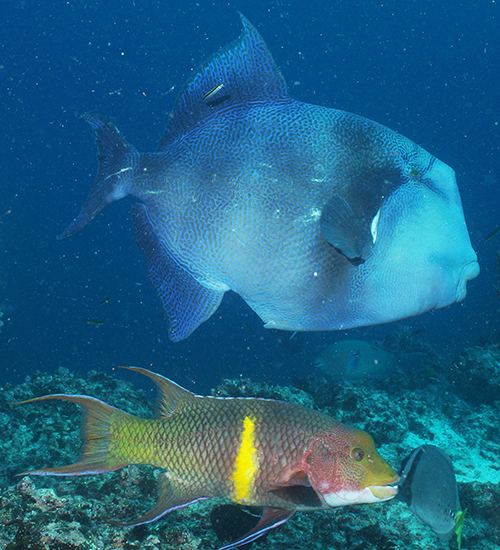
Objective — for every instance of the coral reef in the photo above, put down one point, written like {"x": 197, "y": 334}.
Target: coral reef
{"x": 454, "y": 404}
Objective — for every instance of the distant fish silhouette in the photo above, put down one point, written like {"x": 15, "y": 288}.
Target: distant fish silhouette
{"x": 429, "y": 487}
{"x": 493, "y": 233}
{"x": 95, "y": 322}
{"x": 317, "y": 218}
{"x": 351, "y": 360}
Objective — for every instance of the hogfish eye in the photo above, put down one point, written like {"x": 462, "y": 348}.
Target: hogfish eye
{"x": 357, "y": 454}
{"x": 414, "y": 173}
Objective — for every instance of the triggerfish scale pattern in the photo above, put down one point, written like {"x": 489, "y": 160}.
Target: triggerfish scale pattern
{"x": 258, "y": 452}
{"x": 319, "y": 219}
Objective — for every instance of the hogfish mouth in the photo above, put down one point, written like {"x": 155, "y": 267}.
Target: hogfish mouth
{"x": 383, "y": 492}
{"x": 368, "y": 495}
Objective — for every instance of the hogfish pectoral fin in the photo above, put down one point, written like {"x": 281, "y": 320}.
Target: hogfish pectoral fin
{"x": 271, "y": 518}
{"x": 110, "y": 184}
{"x": 343, "y": 230}
{"x": 186, "y": 302}
{"x": 172, "y": 495}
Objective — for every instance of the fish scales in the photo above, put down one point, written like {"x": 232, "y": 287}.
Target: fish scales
{"x": 282, "y": 432}
{"x": 319, "y": 219}
{"x": 257, "y": 452}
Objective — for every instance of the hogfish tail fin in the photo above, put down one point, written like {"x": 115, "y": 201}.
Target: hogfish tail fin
{"x": 115, "y": 157}
{"x": 111, "y": 438}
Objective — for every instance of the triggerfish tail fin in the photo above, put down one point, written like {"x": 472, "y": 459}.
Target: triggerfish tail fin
{"x": 459, "y": 523}
{"x": 271, "y": 518}
{"x": 115, "y": 164}
{"x": 105, "y": 431}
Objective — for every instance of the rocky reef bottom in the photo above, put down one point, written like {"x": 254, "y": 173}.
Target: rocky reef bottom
{"x": 452, "y": 403}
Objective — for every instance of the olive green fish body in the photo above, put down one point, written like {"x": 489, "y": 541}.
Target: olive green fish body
{"x": 281, "y": 456}
{"x": 199, "y": 447}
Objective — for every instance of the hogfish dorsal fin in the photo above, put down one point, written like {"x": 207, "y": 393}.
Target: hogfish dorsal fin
{"x": 242, "y": 72}
{"x": 172, "y": 396}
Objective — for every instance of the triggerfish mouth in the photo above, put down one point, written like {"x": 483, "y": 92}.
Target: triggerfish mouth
{"x": 256, "y": 452}
{"x": 318, "y": 218}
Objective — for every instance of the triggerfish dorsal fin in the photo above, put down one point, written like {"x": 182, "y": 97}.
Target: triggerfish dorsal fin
{"x": 172, "y": 396}
{"x": 242, "y": 72}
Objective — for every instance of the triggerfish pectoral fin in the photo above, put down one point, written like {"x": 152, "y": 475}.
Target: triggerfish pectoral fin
{"x": 187, "y": 303}
{"x": 271, "y": 518}
{"x": 342, "y": 229}
{"x": 114, "y": 160}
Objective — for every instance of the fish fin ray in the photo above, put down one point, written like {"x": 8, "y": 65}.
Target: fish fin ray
{"x": 186, "y": 302}
{"x": 271, "y": 518}
{"x": 96, "y": 457}
{"x": 342, "y": 229}
{"x": 108, "y": 186}
{"x": 171, "y": 496}
{"x": 247, "y": 72}
{"x": 171, "y": 394}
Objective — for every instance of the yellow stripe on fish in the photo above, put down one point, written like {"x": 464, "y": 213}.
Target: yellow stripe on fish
{"x": 246, "y": 465}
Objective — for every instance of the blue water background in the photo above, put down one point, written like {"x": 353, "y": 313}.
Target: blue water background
{"x": 427, "y": 69}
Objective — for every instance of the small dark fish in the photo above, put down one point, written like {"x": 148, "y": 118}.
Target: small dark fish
{"x": 418, "y": 332}
{"x": 231, "y": 522}
{"x": 249, "y": 328}
{"x": 105, "y": 301}
{"x": 494, "y": 233}
{"x": 96, "y": 322}
{"x": 210, "y": 95}
{"x": 429, "y": 487}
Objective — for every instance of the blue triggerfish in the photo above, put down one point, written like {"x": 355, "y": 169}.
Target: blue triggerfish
{"x": 256, "y": 452}
{"x": 319, "y": 219}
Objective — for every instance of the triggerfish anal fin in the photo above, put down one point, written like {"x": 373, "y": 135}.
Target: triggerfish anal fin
{"x": 114, "y": 160}
{"x": 187, "y": 303}
{"x": 271, "y": 518}
{"x": 343, "y": 230}
{"x": 242, "y": 72}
